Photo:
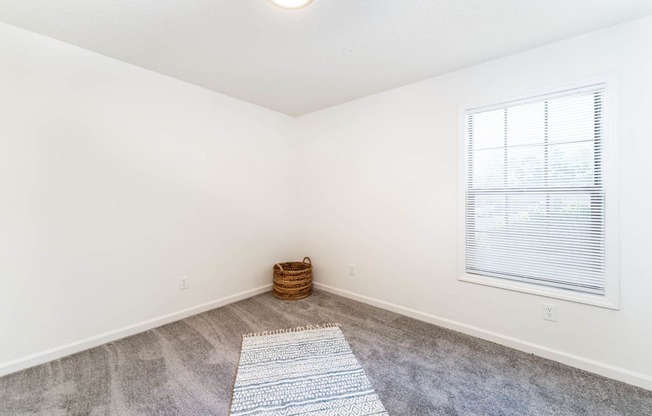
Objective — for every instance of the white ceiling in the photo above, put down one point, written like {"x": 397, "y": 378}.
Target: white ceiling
{"x": 299, "y": 61}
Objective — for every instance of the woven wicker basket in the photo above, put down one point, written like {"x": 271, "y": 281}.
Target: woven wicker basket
{"x": 293, "y": 280}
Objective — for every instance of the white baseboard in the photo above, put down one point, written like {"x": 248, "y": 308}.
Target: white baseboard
{"x": 78, "y": 346}
{"x": 603, "y": 369}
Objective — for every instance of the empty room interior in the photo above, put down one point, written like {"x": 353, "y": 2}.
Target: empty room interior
{"x": 325, "y": 207}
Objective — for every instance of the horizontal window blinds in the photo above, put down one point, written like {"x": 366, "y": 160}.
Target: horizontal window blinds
{"x": 535, "y": 200}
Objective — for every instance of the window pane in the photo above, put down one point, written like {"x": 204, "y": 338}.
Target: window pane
{"x": 525, "y": 124}
{"x": 525, "y": 166}
{"x": 571, "y": 118}
{"x": 489, "y": 129}
{"x": 489, "y": 168}
{"x": 571, "y": 164}
{"x": 489, "y": 213}
{"x": 573, "y": 212}
{"x": 526, "y": 212}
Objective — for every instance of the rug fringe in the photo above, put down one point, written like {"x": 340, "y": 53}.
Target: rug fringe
{"x": 297, "y": 329}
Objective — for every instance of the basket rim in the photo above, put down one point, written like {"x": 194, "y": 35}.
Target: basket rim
{"x": 295, "y": 265}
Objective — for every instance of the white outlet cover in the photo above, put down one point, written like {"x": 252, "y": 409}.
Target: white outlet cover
{"x": 183, "y": 283}
{"x": 550, "y": 312}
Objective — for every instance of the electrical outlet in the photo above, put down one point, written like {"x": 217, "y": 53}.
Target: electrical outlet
{"x": 550, "y": 312}
{"x": 351, "y": 270}
{"x": 183, "y": 283}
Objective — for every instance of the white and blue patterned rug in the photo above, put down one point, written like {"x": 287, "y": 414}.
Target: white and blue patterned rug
{"x": 307, "y": 370}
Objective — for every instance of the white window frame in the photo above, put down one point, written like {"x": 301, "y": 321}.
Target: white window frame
{"x": 611, "y": 297}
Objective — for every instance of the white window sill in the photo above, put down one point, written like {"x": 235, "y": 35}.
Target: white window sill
{"x": 549, "y": 292}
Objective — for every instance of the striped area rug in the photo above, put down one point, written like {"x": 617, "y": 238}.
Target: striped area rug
{"x": 308, "y": 370}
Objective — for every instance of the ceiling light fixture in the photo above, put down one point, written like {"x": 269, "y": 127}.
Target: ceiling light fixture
{"x": 291, "y": 4}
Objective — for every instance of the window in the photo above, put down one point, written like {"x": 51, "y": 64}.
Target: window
{"x": 536, "y": 196}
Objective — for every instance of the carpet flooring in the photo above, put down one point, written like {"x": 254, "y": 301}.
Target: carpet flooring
{"x": 188, "y": 368}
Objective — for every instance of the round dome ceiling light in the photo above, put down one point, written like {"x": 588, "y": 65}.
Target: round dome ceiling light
{"x": 291, "y": 4}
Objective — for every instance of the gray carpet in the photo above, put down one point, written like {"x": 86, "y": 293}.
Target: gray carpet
{"x": 188, "y": 368}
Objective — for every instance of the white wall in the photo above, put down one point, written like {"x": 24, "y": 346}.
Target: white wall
{"x": 379, "y": 190}
{"x": 115, "y": 181}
